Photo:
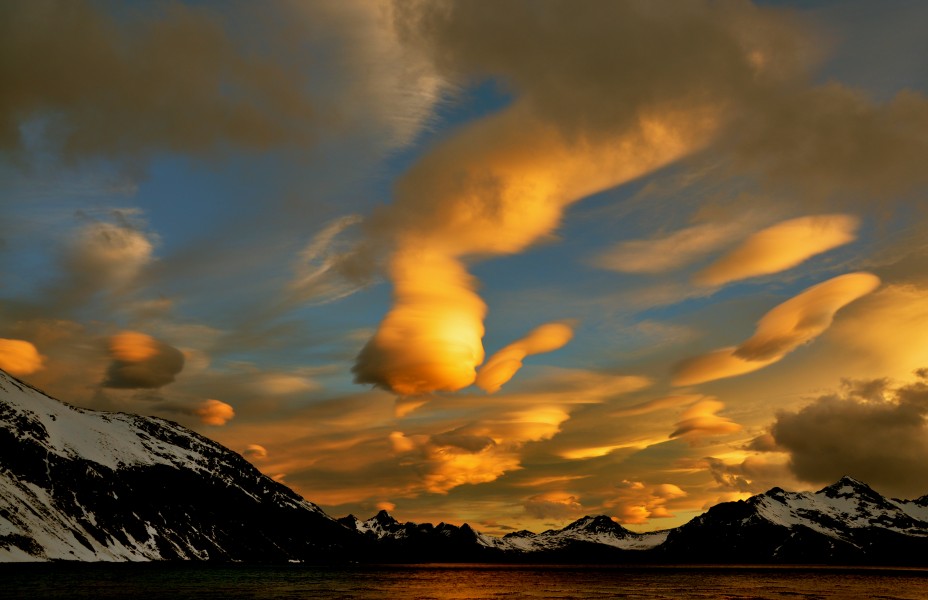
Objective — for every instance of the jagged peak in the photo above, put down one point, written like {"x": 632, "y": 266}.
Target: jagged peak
{"x": 383, "y": 518}
{"x": 848, "y": 486}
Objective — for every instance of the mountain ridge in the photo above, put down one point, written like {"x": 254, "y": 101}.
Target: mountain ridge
{"x": 84, "y": 485}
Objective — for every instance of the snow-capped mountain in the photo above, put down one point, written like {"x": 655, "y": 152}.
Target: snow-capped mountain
{"x": 85, "y": 485}
{"x": 843, "y": 522}
{"x": 598, "y": 530}
{"x": 78, "y": 484}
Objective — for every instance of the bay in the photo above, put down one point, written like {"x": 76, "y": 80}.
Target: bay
{"x": 446, "y": 582}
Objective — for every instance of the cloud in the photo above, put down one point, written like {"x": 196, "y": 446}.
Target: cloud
{"x": 19, "y": 357}
{"x": 781, "y": 247}
{"x": 105, "y": 256}
{"x": 657, "y": 404}
{"x": 718, "y": 364}
{"x": 883, "y": 334}
{"x": 140, "y": 361}
{"x": 701, "y": 420}
{"x": 793, "y": 323}
{"x": 318, "y": 277}
{"x": 383, "y": 83}
{"x": 576, "y": 126}
{"x": 495, "y": 188}
{"x": 668, "y": 252}
{"x": 804, "y": 317}
{"x": 637, "y": 503}
{"x": 752, "y": 475}
{"x": 255, "y": 452}
{"x": 871, "y": 430}
{"x": 830, "y": 140}
{"x": 501, "y": 367}
{"x": 560, "y": 506}
{"x": 164, "y": 77}
{"x": 478, "y": 452}
{"x": 214, "y": 412}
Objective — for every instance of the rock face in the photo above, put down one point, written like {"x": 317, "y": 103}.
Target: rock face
{"x": 77, "y": 484}
{"x": 85, "y": 485}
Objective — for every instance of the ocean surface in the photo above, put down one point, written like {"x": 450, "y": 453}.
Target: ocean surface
{"x": 295, "y": 582}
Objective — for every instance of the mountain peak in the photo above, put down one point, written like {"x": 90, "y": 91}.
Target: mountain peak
{"x": 597, "y": 524}
{"x": 847, "y": 487}
{"x": 384, "y": 518}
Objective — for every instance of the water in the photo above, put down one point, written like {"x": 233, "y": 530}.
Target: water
{"x": 448, "y": 582}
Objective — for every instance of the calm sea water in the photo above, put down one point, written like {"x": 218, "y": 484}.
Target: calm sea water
{"x": 456, "y": 581}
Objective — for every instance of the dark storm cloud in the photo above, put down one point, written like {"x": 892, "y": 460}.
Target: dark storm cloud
{"x": 868, "y": 430}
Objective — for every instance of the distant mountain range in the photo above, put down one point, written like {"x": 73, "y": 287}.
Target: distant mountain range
{"x": 83, "y": 485}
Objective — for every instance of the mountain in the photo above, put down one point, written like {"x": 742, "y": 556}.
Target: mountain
{"x": 84, "y": 485}
{"x": 78, "y": 484}
{"x": 385, "y": 537}
{"x": 846, "y": 522}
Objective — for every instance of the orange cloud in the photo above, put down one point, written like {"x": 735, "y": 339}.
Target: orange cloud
{"x": 701, "y": 419}
{"x": 801, "y": 319}
{"x": 255, "y": 452}
{"x": 479, "y": 452}
{"x": 214, "y": 412}
{"x": 637, "y": 503}
{"x": 132, "y": 346}
{"x": 504, "y": 364}
{"x": 495, "y": 188}
{"x": 431, "y": 339}
{"x": 781, "y": 247}
{"x": 140, "y": 361}
{"x": 19, "y": 357}
{"x": 797, "y": 321}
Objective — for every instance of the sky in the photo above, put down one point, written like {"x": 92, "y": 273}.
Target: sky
{"x": 506, "y": 263}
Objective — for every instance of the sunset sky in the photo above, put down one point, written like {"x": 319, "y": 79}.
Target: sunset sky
{"x": 504, "y": 262}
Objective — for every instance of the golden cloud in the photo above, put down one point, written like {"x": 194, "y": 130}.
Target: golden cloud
{"x": 140, "y": 361}
{"x": 495, "y": 188}
{"x": 797, "y": 321}
{"x": 132, "y": 346}
{"x": 701, "y": 420}
{"x": 214, "y": 412}
{"x": 505, "y": 363}
{"x": 636, "y": 502}
{"x": 19, "y": 357}
{"x": 479, "y": 452}
{"x": 781, "y": 247}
